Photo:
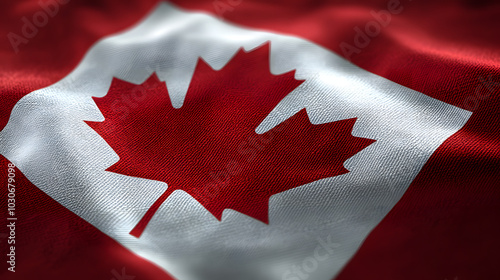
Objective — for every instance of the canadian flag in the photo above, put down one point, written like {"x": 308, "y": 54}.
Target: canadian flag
{"x": 250, "y": 140}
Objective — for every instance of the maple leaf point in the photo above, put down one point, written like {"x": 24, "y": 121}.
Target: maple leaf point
{"x": 209, "y": 147}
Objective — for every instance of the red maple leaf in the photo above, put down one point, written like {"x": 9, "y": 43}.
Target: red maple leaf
{"x": 209, "y": 147}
